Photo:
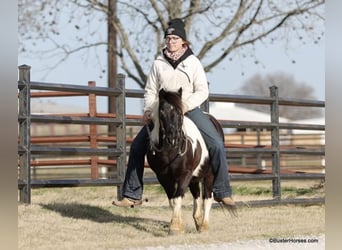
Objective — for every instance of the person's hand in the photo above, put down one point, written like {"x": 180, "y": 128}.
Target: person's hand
{"x": 147, "y": 117}
{"x": 185, "y": 108}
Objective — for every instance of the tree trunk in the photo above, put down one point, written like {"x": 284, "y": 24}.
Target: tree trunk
{"x": 112, "y": 63}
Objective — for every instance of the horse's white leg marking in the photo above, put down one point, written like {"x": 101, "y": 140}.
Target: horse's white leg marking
{"x": 207, "y": 207}
{"x": 176, "y": 220}
{"x": 197, "y": 213}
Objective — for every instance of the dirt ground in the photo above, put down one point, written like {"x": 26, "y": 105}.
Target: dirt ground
{"x": 83, "y": 218}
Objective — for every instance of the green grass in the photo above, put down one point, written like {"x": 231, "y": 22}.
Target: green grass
{"x": 245, "y": 190}
{"x": 156, "y": 188}
{"x": 261, "y": 188}
{"x": 287, "y": 191}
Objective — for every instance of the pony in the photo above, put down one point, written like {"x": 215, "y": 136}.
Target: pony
{"x": 180, "y": 159}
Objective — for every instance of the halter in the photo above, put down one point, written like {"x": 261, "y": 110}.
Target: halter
{"x": 156, "y": 149}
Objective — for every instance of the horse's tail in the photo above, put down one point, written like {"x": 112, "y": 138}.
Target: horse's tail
{"x": 217, "y": 125}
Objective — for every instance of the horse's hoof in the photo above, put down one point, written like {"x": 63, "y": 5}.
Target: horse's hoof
{"x": 176, "y": 230}
{"x": 203, "y": 229}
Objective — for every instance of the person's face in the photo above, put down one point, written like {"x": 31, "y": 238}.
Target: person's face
{"x": 173, "y": 43}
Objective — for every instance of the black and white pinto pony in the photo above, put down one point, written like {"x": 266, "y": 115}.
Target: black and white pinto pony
{"x": 179, "y": 157}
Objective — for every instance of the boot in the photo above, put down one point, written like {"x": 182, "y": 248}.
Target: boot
{"x": 127, "y": 202}
{"x": 228, "y": 201}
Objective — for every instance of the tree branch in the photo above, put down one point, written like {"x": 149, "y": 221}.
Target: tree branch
{"x": 209, "y": 44}
{"x": 126, "y": 44}
{"x": 235, "y": 44}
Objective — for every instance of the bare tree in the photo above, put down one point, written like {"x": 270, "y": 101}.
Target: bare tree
{"x": 288, "y": 87}
{"x": 217, "y": 28}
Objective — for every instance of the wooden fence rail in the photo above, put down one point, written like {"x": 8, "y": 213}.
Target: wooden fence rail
{"x": 25, "y": 149}
{"x": 29, "y": 148}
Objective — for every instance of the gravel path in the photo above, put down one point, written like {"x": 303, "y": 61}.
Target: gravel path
{"x": 318, "y": 244}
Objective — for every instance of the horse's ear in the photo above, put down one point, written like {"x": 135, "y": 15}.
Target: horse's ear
{"x": 161, "y": 93}
{"x": 180, "y": 91}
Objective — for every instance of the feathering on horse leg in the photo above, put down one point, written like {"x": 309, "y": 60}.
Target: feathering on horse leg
{"x": 176, "y": 226}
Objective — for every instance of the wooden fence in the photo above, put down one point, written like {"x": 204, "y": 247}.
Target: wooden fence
{"x": 33, "y": 151}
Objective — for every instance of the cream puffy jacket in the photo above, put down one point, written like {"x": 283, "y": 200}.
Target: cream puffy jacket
{"x": 189, "y": 75}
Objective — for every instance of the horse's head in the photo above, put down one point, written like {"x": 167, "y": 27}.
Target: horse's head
{"x": 170, "y": 117}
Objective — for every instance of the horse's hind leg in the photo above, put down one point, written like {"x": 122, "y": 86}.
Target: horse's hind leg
{"x": 197, "y": 205}
{"x": 207, "y": 202}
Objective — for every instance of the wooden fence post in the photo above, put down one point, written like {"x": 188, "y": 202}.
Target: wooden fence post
{"x": 120, "y": 102}
{"x": 24, "y": 119}
{"x": 275, "y": 143}
{"x": 93, "y": 134}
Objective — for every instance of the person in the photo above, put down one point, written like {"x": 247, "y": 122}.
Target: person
{"x": 177, "y": 67}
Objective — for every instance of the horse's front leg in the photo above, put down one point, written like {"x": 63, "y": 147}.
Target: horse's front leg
{"x": 176, "y": 226}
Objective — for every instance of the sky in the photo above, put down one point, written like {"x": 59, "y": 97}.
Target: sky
{"x": 226, "y": 78}
{"x": 309, "y": 68}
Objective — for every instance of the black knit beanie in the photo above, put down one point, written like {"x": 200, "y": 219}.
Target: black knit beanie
{"x": 176, "y": 27}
